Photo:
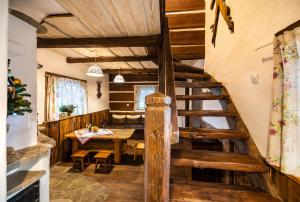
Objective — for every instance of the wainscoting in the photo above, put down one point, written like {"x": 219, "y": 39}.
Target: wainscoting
{"x": 288, "y": 186}
{"x": 58, "y": 129}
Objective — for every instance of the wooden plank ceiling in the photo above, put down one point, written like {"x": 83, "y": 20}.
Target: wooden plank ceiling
{"x": 105, "y": 18}
{"x": 187, "y": 24}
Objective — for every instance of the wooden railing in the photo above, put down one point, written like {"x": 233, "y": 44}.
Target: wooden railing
{"x": 58, "y": 129}
{"x": 167, "y": 79}
{"x": 161, "y": 127}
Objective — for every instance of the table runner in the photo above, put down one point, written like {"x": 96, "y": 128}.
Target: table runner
{"x": 84, "y": 135}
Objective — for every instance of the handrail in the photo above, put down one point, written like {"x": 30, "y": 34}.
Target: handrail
{"x": 167, "y": 79}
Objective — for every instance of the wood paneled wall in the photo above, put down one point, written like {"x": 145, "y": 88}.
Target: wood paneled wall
{"x": 121, "y": 95}
{"x": 58, "y": 129}
{"x": 288, "y": 186}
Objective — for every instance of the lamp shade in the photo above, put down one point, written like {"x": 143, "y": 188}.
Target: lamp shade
{"x": 119, "y": 79}
{"x": 95, "y": 71}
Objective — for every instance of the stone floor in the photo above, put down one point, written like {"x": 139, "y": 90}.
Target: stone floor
{"x": 123, "y": 184}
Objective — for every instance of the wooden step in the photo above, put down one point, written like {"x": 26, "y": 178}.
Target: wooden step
{"x": 217, "y": 160}
{"x": 197, "y": 84}
{"x": 204, "y": 96}
{"x": 187, "y": 75}
{"x": 204, "y": 191}
{"x": 200, "y": 133}
{"x": 180, "y": 67}
{"x": 220, "y": 113}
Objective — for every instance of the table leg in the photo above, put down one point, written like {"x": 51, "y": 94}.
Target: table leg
{"x": 118, "y": 151}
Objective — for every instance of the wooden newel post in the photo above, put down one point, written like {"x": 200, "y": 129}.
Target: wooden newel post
{"x": 157, "y": 147}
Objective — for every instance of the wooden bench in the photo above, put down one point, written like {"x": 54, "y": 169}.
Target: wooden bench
{"x": 78, "y": 157}
{"x": 103, "y": 157}
{"x": 139, "y": 150}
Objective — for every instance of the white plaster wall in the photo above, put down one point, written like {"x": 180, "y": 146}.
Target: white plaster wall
{"x": 235, "y": 59}
{"x": 22, "y": 52}
{"x": 3, "y": 95}
{"x": 56, "y": 63}
{"x": 42, "y": 164}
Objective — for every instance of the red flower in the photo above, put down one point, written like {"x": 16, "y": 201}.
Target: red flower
{"x": 272, "y": 131}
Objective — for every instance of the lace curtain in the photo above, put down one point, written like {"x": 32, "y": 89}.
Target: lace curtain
{"x": 64, "y": 91}
{"x": 284, "y": 135}
{"x": 140, "y": 92}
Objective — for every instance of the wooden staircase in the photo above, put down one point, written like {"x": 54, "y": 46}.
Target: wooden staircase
{"x": 226, "y": 160}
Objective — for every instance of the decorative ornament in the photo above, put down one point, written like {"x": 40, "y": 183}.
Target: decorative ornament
{"x": 225, "y": 11}
{"x": 99, "y": 94}
{"x": 17, "y": 81}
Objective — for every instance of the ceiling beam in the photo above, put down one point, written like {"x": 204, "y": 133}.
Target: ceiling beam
{"x": 131, "y": 41}
{"x": 111, "y": 59}
{"x": 40, "y": 29}
{"x": 130, "y": 71}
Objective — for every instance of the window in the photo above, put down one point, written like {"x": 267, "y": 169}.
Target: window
{"x": 140, "y": 93}
{"x": 63, "y": 91}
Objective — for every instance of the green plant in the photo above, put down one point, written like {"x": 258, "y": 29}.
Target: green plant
{"x": 67, "y": 108}
{"x": 16, "y": 93}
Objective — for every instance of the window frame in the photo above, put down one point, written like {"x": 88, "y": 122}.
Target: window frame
{"x": 135, "y": 96}
{"x": 47, "y": 74}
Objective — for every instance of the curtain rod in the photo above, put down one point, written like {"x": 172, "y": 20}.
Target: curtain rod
{"x": 290, "y": 27}
{"x": 63, "y": 76}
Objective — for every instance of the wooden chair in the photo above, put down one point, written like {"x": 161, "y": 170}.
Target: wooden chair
{"x": 139, "y": 150}
{"x": 103, "y": 157}
{"x": 78, "y": 157}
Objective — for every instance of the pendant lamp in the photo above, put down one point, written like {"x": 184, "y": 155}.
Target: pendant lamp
{"x": 94, "y": 70}
{"x": 119, "y": 78}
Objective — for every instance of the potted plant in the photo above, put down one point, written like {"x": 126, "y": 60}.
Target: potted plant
{"x": 67, "y": 109}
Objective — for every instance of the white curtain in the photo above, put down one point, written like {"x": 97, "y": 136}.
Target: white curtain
{"x": 65, "y": 91}
{"x": 141, "y": 91}
{"x": 284, "y": 136}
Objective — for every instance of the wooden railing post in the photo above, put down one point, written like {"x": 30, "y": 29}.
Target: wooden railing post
{"x": 157, "y": 147}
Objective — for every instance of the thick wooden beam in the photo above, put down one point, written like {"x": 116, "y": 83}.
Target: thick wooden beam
{"x": 184, "y": 5}
{"x": 188, "y": 37}
{"x": 39, "y": 28}
{"x": 130, "y": 71}
{"x": 186, "y": 20}
{"x": 111, "y": 59}
{"x": 132, "y": 41}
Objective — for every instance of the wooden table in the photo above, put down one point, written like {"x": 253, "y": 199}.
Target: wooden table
{"x": 119, "y": 137}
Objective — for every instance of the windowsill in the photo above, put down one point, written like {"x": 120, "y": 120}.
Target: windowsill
{"x": 293, "y": 178}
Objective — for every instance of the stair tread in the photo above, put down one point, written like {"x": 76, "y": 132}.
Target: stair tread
{"x": 204, "y": 96}
{"x": 197, "y": 133}
{"x": 221, "y": 113}
{"x": 179, "y": 67}
{"x": 217, "y": 160}
{"x": 203, "y": 191}
{"x": 197, "y": 84}
{"x": 188, "y": 75}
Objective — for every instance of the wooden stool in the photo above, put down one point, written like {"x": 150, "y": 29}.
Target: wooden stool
{"x": 78, "y": 157}
{"x": 103, "y": 157}
{"x": 139, "y": 150}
